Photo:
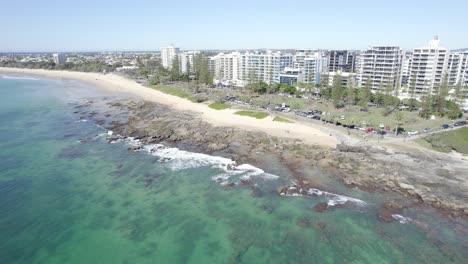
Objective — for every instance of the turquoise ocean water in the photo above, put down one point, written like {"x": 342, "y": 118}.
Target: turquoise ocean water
{"x": 62, "y": 201}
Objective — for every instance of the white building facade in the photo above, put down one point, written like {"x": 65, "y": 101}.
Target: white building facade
{"x": 263, "y": 66}
{"x": 457, "y": 72}
{"x": 457, "y": 68}
{"x": 428, "y": 68}
{"x": 348, "y": 79}
{"x": 380, "y": 67}
{"x": 226, "y": 67}
{"x": 59, "y": 58}
{"x": 314, "y": 66}
{"x": 167, "y": 55}
{"x": 186, "y": 61}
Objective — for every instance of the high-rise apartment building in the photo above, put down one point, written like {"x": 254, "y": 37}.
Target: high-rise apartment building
{"x": 380, "y": 67}
{"x": 300, "y": 55}
{"x": 457, "y": 67}
{"x": 341, "y": 60}
{"x": 428, "y": 68}
{"x": 186, "y": 61}
{"x": 167, "y": 55}
{"x": 457, "y": 72}
{"x": 243, "y": 68}
{"x": 314, "y": 66}
{"x": 226, "y": 67}
{"x": 59, "y": 58}
{"x": 263, "y": 66}
{"x": 405, "y": 68}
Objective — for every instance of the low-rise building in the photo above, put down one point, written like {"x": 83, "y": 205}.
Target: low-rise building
{"x": 292, "y": 76}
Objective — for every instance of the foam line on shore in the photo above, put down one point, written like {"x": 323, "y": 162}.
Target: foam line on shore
{"x": 19, "y": 78}
{"x": 333, "y": 198}
{"x": 232, "y": 174}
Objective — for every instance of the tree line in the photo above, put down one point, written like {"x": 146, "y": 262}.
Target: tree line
{"x": 437, "y": 103}
{"x": 198, "y": 73}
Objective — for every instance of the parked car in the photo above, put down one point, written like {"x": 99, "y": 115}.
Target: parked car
{"x": 460, "y": 123}
{"x": 380, "y": 132}
{"x": 412, "y": 132}
{"x": 445, "y": 126}
{"x": 426, "y": 130}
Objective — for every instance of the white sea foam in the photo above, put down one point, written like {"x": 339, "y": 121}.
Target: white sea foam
{"x": 333, "y": 198}
{"x": 19, "y": 78}
{"x": 177, "y": 159}
{"x": 402, "y": 219}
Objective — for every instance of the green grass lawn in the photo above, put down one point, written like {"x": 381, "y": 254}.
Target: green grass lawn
{"x": 254, "y": 114}
{"x": 219, "y": 106}
{"x": 447, "y": 141}
{"x": 374, "y": 117}
{"x": 180, "y": 92}
{"x": 280, "y": 119}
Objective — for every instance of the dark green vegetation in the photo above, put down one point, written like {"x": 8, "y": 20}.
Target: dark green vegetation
{"x": 434, "y": 104}
{"x": 280, "y": 119}
{"x": 448, "y": 140}
{"x": 200, "y": 75}
{"x": 219, "y": 106}
{"x": 254, "y": 114}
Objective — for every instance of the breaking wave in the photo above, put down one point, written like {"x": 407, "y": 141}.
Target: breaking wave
{"x": 232, "y": 174}
{"x": 333, "y": 198}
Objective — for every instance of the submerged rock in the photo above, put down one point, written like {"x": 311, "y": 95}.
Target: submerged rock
{"x": 321, "y": 207}
{"x": 387, "y": 210}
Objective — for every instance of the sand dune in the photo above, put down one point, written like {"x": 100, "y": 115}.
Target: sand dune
{"x": 113, "y": 82}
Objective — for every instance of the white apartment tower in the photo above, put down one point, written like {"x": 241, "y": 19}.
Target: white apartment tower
{"x": 457, "y": 68}
{"x": 457, "y": 71}
{"x": 263, "y": 66}
{"x": 186, "y": 59}
{"x": 300, "y": 55}
{"x": 226, "y": 67}
{"x": 380, "y": 67}
{"x": 405, "y": 68}
{"x": 428, "y": 68}
{"x": 167, "y": 55}
{"x": 59, "y": 58}
{"x": 314, "y": 66}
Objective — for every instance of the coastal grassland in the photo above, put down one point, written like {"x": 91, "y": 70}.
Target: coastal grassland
{"x": 172, "y": 90}
{"x": 447, "y": 141}
{"x": 376, "y": 116}
{"x": 219, "y": 106}
{"x": 272, "y": 100}
{"x": 254, "y": 114}
{"x": 280, "y": 119}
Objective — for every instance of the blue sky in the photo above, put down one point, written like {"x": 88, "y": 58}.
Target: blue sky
{"x": 97, "y": 25}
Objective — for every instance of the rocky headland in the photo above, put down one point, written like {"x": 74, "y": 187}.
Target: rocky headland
{"x": 420, "y": 179}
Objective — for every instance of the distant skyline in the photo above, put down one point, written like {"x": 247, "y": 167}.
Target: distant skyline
{"x": 138, "y": 25}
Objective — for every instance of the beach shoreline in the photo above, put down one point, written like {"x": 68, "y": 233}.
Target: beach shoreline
{"x": 156, "y": 117}
{"x": 115, "y": 83}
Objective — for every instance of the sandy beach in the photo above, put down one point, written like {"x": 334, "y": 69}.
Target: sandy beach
{"x": 113, "y": 82}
